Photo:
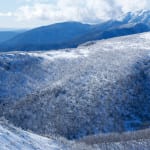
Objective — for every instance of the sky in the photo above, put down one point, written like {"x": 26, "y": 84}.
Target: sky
{"x": 33, "y": 13}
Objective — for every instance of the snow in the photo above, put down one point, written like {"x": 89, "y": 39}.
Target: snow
{"x": 12, "y": 138}
{"x": 53, "y": 55}
{"x": 145, "y": 36}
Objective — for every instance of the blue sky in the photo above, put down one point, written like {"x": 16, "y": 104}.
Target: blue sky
{"x": 32, "y": 13}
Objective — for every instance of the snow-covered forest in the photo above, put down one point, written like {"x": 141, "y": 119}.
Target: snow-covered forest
{"x": 100, "y": 87}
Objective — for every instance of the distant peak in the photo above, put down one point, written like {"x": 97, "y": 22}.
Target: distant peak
{"x": 140, "y": 16}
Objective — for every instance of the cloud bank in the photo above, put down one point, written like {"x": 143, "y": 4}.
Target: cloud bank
{"x": 87, "y": 11}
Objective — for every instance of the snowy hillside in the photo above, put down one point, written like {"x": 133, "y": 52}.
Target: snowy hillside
{"x": 12, "y": 138}
{"x": 102, "y": 87}
{"x": 24, "y": 73}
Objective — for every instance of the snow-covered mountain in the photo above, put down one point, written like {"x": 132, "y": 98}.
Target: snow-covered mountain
{"x": 100, "y": 87}
{"x": 142, "y": 16}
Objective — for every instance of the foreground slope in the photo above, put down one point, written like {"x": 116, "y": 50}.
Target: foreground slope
{"x": 12, "y": 138}
{"x": 102, "y": 87}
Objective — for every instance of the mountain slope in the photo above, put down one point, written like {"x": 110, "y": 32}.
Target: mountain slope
{"x": 49, "y": 37}
{"x": 102, "y": 87}
{"x": 6, "y": 35}
{"x": 12, "y": 138}
{"x": 119, "y": 29}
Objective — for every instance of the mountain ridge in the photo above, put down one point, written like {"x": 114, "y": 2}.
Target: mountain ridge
{"x": 72, "y": 34}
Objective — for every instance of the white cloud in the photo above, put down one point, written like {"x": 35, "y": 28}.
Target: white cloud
{"x": 89, "y": 11}
{"x": 133, "y": 5}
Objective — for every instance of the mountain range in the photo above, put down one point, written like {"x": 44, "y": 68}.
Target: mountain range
{"x": 72, "y": 34}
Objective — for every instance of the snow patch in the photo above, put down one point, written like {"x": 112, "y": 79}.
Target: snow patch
{"x": 12, "y": 138}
